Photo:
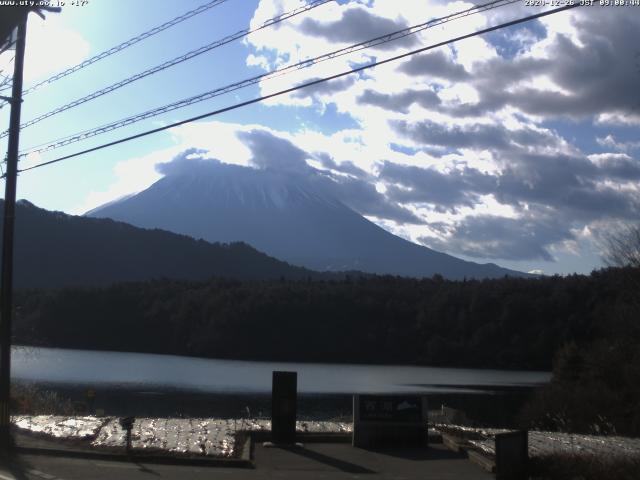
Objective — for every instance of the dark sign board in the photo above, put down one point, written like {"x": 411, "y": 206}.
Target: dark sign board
{"x": 394, "y": 408}
{"x": 389, "y": 421}
{"x": 283, "y": 407}
{"x": 512, "y": 455}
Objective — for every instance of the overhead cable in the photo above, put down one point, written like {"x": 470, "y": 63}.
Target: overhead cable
{"x": 5, "y": 80}
{"x": 172, "y": 62}
{"x": 304, "y": 85}
{"x": 127, "y": 44}
{"x": 265, "y": 76}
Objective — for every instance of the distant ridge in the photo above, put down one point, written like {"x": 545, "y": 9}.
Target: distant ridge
{"x": 285, "y": 216}
{"x": 53, "y": 249}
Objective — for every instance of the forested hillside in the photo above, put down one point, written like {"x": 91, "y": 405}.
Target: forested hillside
{"x": 504, "y": 323}
{"x": 53, "y": 249}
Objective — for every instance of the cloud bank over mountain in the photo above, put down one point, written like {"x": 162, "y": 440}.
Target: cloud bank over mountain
{"x": 519, "y": 146}
{"x": 293, "y": 213}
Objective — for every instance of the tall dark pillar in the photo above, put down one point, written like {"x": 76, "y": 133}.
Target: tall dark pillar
{"x": 6, "y": 282}
{"x": 284, "y": 407}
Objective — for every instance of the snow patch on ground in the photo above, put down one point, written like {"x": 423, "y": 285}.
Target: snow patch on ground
{"x": 193, "y": 436}
{"x": 546, "y": 443}
{"x": 176, "y": 435}
{"x": 60, "y": 426}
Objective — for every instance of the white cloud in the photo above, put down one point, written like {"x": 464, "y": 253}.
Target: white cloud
{"x": 51, "y": 47}
{"x": 132, "y": 176}
{"x": 616, "y": 119}
{"x": 505, "y": 143}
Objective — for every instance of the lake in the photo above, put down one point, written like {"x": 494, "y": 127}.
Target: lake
{"x": 143, "y": 371}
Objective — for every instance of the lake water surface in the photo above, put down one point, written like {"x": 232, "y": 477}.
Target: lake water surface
{"x": 150, "y": 371}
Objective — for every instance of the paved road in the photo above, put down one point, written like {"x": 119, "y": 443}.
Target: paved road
{"x": 330, "y": 461}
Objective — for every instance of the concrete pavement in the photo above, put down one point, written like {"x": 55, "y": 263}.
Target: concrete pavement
{"x": 330, "y": 461}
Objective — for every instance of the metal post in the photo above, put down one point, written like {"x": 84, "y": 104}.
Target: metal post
{"x": 284, "y": 392}
{"x": 6, "y": 288}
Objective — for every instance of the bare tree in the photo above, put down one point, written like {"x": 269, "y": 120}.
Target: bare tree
{"x": 622, "y": 247}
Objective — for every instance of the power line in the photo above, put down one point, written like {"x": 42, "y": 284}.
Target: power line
{"x": 128, "y": 43}
{"x": 7, "y": 46}
{"x": 265, "y": 76}
{"x": 6, "y": 80}
{"x": 304, "y": 85}
{"x": 172, "y": 62}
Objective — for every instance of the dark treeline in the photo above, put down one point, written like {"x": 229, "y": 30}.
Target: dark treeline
{"x": 505, "y": 323}
{"x": 595, "y": 386}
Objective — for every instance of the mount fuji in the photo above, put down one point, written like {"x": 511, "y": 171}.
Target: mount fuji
{"x": 284, "y": 215}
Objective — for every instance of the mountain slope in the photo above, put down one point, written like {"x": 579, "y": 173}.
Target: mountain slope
{"x": 284, "y": 216}
{"x": 53, "y": 249}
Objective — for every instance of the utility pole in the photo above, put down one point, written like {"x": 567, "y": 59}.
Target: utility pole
{"x": 6, "y": 288}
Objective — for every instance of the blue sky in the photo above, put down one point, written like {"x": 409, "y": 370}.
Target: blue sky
{"x": 519, "y": 148}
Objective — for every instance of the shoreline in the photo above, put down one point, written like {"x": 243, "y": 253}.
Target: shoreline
{"x": 482, "y": 407}
{"x": 287, "y": 361}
